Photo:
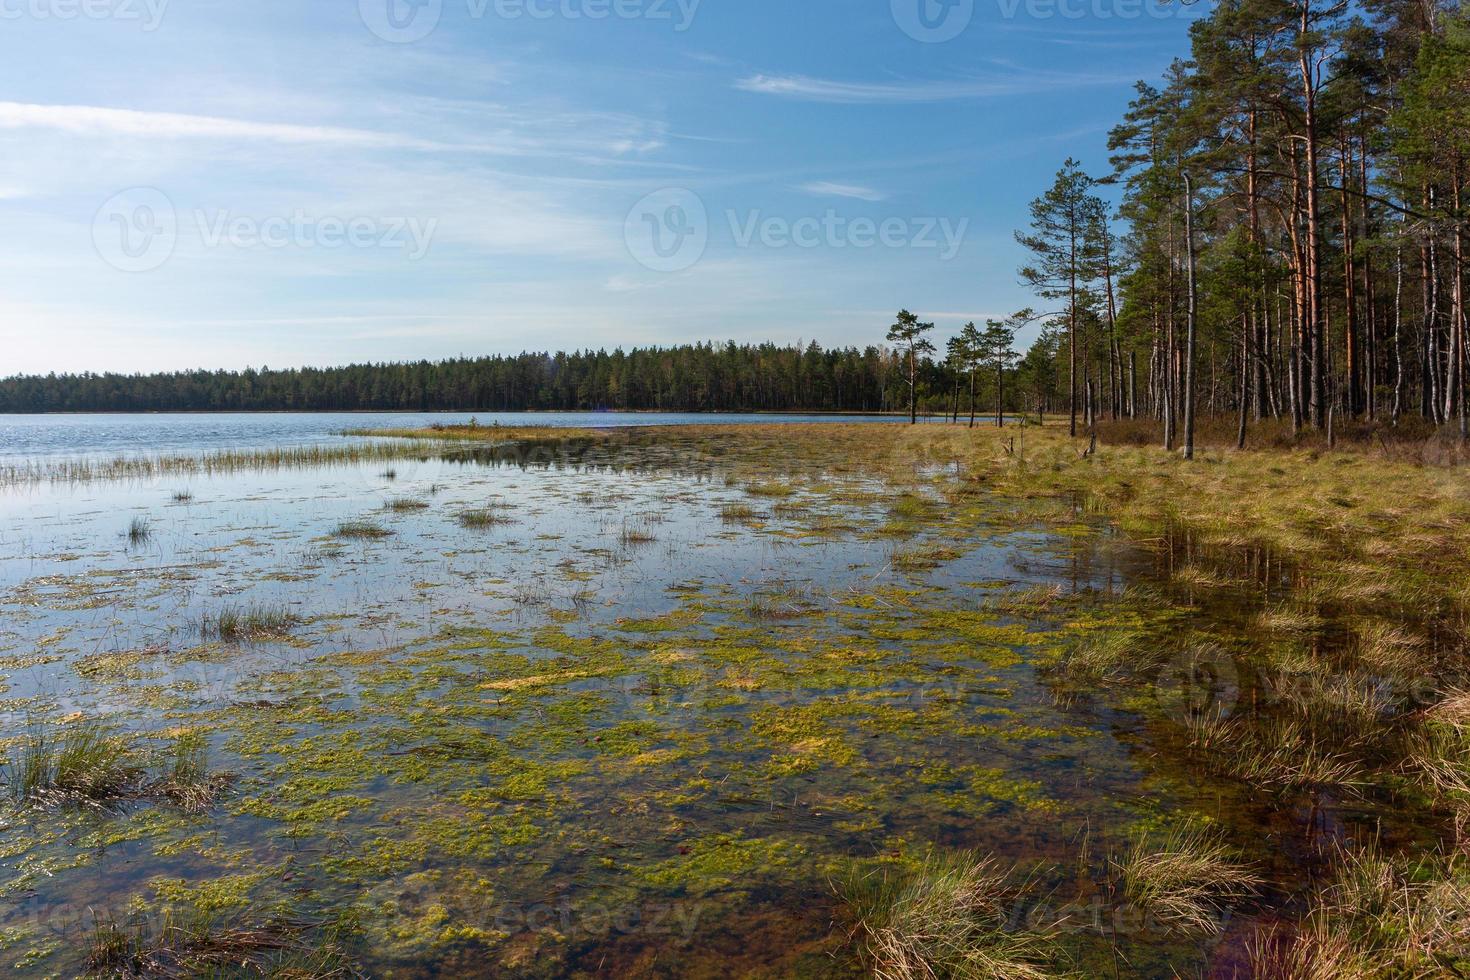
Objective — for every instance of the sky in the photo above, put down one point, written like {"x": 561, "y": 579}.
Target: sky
{"x": 223, "y": 183}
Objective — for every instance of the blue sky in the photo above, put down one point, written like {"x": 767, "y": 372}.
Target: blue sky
{"x": 218, "y": 183}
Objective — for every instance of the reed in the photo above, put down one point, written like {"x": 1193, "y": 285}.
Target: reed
{"x": 225, "y": 461}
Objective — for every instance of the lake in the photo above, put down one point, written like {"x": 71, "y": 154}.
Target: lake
{"x": 41, "y": 437}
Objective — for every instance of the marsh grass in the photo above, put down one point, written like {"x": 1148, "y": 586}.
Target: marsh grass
{"x": 924, "y": 558}
{"x": 182, "y": 496}
{"x": 234, "y": 624}
{"x": 1271, "y": 753}
{"x": 140, "y": 532}
{"x": 1378, "y": 918}
{"x": 1187, "y": 876}
{"x": 82, "y": 765}
{"x": 946, "y": 916}
{"x": 737, "y": 513}
{"x": 637, "y": 532}
{"x": 490, "y": 515}
{"x": 401, "y": 505}
{"x": 187, "y": 781}
{"x": 361, "y": 530}
{"x": 193, "y": 944}
{"x": 228, "y": 461}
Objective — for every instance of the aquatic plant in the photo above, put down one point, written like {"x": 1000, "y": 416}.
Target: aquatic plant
{"x": 945, "y": 916}
{"x": 360, "y": 529}
{"x": 491, "y": 515}
{"x": 405, "y": 504}
{"x": 233, "y": 623}
{"x": 1187, "y": 876}
{"x": 66, "y": 471}
{"x": 194, "y": 944}
{"x": 187, "y": 781}
{"x": 139, "y": 531}
{"x": 182, "y": 496}
{"x": 1377, "y": 918}
{"x": 83, "y": 764}
{"x": 736, "y": 513}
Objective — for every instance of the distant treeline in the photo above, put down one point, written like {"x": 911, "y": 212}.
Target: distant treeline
{"x": 690, "y": 378}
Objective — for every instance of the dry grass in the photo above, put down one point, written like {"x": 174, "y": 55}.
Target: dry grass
{"x": 944, "y": 917}
{"x": 1378, "y": 919}
{"x": 1188, "y": 877}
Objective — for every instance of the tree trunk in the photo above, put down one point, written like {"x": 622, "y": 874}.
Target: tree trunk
{"x": 1189, "y": 341}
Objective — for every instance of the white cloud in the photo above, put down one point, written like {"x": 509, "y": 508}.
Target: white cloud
{"x": 86, "y": 120}
{"x": 902, "y": 92}
{"x": 825, "y": 188}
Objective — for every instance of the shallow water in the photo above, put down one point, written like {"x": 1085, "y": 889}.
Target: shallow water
{"x": 623, "y": 732}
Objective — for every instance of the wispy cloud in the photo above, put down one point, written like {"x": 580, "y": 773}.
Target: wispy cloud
{"x": 91, "y": 120}
{"x": 827, "y": 90}
{"x": 825, "y": 188}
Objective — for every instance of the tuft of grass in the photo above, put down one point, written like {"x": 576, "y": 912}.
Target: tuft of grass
{"x": 1276, "y": 754}
{"x": 83, "y": 765}
{"x": 187, "y": 781}
{"x": 1188, "y": 878}
{"x": 638, "y": 531}
{"x": 737, "y": 513}
{"x": 1378, "y": 918}
{"x": 491, "y": 515}
{"x": 194, "y": 944}
{"x": 944, "y": 917}
{"x": 140, "y": 532}
{"x": 366, "y": 530}
{"x": 770, "y": 489}
{"x": 923, "y": 559}
{"x": 183, "y": 496}
{"x": 389, "y": 474}
{"x": 405, "y": 504}
{"x": 244, "y": 623}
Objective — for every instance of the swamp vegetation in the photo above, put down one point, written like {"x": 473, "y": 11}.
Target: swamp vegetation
{"x": 810, "y": 701}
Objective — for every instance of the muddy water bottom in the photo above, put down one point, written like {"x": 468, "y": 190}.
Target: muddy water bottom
{"x": 635, "y": 723}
